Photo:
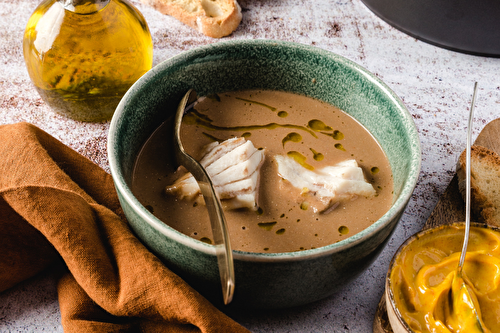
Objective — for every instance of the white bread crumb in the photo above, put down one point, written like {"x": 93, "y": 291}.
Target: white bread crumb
{"x": 213, "y": 18}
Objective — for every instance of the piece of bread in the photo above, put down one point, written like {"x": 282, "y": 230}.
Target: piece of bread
{"x": 485, "y": 183}
{"x": 214, "y": 18}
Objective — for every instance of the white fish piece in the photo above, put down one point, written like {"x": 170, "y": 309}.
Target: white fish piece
{"x": 185, "y": 187}
{"x": 241, "y": 170}
{"x": 241, "y": 201}
{"x": 237, "y": 155}
{"x": 216, "y": 150}
{"x": 328, "y": 186}
{"x": 347, "y": 169}
{"x": 244, "y": 186}
{"x": 234, "y": 167}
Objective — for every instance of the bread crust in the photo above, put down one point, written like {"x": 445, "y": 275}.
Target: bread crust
{"x": 198, "y": 14}
{"x": 485, "y": 183}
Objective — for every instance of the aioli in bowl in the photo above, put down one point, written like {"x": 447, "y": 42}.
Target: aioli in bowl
{"x": 420, "y": 276}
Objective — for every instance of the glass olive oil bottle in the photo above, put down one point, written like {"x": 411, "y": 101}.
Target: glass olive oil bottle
{"x": 83, "y": 55}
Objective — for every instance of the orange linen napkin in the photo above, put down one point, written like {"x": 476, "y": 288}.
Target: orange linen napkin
{"x": 55, "y": 204}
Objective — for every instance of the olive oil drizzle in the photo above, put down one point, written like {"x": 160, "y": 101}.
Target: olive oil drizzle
{"x": 267, "y": 225}
{"x": 318, "y": 125}
{"x": 194, "y": 118}
{"x": 211, "y": 137}
{"x": 293, "y": 137}
{"x": 336, "y": 135}
{"x": 317, "y": 156}
{"x": 258, "y": 103}
{"x": 314, "y": 125}
{"x": 343, "y": 230}
{"x": 299, "y": 158}
{"x": 339, "y": 146}
{"x": 198, "y": 115}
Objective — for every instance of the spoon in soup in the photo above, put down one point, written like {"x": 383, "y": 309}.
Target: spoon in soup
{"x": 464, "y": 307}
{"x": 215, "y": 212}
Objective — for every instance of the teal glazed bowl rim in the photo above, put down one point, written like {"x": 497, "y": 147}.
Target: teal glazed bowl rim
{"x": 212, "y": 52}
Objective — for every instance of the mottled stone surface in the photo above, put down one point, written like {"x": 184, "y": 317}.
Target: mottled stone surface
{"x": 435, "y": 84}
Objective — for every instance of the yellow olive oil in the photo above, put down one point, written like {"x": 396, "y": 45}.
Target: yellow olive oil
{"x": 83, "y": 56}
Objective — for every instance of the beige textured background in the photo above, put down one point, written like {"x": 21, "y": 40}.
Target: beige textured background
{"x": 435, "y": 84}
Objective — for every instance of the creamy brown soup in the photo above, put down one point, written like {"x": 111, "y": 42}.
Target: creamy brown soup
{"x": 281, "y": 123}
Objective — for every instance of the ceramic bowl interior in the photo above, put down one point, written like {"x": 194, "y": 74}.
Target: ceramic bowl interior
{"x": 300, "y": 277}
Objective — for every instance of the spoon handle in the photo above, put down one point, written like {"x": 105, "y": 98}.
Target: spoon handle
{"x": 468, "y": 180}
{"x": 214, "y": 208}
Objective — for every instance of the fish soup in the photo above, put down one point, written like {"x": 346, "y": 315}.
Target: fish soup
{"x": 321, "y": 176}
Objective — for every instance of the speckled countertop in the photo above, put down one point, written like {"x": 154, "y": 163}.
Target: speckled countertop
{"x": 434, "y": 83}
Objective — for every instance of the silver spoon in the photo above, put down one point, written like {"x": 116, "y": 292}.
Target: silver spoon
{"x": 215, "y": 212}
{"x": 458, "y": 283}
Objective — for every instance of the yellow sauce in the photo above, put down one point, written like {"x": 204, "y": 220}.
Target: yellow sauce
{"x": 422, "y": 275}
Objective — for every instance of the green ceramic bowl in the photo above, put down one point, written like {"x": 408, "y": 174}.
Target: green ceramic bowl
{"x": 273, "y": 280}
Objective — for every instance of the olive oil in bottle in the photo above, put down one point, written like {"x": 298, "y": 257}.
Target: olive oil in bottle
{"x": 83, "y": 55}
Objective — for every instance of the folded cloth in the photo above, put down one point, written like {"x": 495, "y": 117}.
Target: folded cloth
{"x": 56, "y": 204}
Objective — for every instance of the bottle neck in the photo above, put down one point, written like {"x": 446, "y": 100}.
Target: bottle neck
{"x": 84, "y": 6}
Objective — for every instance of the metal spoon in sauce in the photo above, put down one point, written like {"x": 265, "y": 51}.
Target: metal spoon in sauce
{"x": 464, "y": 305}
{"x": 216, "y": 214}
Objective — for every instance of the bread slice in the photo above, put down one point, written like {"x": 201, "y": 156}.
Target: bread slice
{"x": 485, "y": 183}
{"x": 214, "y": 18}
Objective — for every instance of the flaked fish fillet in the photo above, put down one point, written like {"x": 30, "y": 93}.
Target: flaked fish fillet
{"x": 234, "y": 167}
{"x": 326, "y": 187}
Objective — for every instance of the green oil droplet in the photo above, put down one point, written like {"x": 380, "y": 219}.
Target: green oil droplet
{"x": 282, "y": 114}
{"x": 317, "y": 156}
{"x": 206, "y": 240}
{"x": 211, "y": 137}
{"x": 280, "y": 231}
{"x": 246, "y": 135}
{"x": 304, "y": 205}
{"x": 150, "y": 208}
{"x": 258, "y": 103}
{"x": 339, "y": 147}
{"x": 192, "y": 116}
{"x": 267, "y": 225}
{"x": 299, "y": 158}
{"x": 259, "y": 211}
{"x": 338, "y": 135}
{"x": 293, "y": 137}
{"x": 266, "y": 249}
{"x": 318, "y": 125}
{"x": 375, "y": 170}
{"x": 343, "y": 230}
{"x": 282, "y": 215}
